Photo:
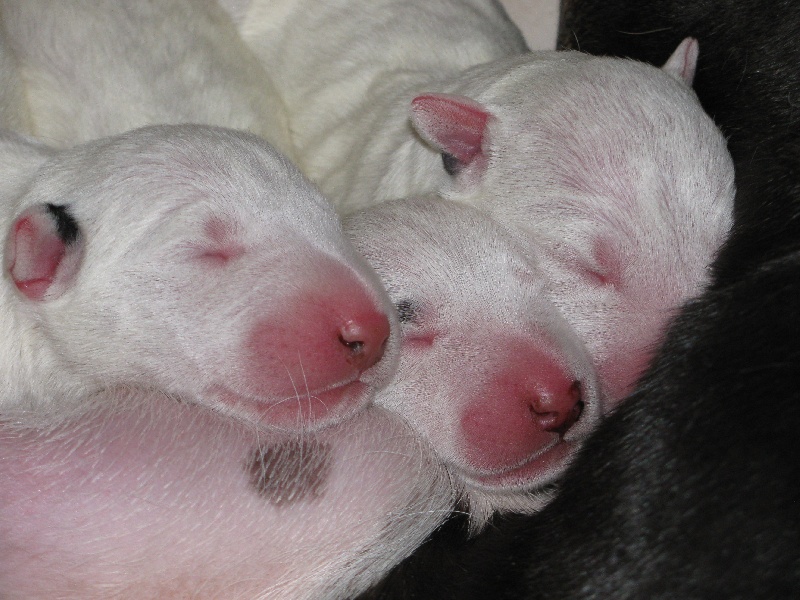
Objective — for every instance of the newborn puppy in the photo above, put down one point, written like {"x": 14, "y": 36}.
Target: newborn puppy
{"x": 608, "y": 176}
{"x": 621, "y": 184}
{"x": 188, "y": 259}
{"x": 490, "y": 373}
{"x": 625, "y": 199}
{"x": 684, "y": 492}
{"x": 691, "y": 489}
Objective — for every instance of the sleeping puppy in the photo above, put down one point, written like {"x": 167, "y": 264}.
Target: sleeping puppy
{"x": 690, "y": 490}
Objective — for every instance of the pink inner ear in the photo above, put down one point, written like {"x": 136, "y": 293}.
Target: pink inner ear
{"x": 452, "y": 124}
{"x": 683, "y": 62}
{"x": 37, "y": 252}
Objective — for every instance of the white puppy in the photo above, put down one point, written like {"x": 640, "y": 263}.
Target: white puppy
{"x": 163, "y": 500}
{"x": 620, "y": 184}
{"x": 490, "y": 373}
{"x": 612, "y": 174}
{"x": 615, "y": 189}
{"x": 188, "y": 259}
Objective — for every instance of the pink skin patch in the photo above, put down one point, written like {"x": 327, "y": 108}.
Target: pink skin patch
{"x": 37, "y": 252}
{"x": 520, "y": 416}
{"x": 306, "y": 363}
{"x": 420, "y": 340}
{"x": 453, "y": 124}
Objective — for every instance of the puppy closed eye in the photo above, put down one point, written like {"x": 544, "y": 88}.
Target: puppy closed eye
{"x": 416, "y": 335}
{"x": 607, "y": 266}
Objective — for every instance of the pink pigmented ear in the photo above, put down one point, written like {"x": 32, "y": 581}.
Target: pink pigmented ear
{"x": 454, "y": 125}
{"x": 683, "y": 62}
{"x": 43, "y": 251}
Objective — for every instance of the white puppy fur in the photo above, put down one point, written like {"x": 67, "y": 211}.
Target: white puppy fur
{"x": 606, "y": 172}
{"x": 347, "y": 71}
{"x": 148, "y": 498}
{"x": 188, "y": 259}
{"x": 490, "y": 373}
{"x": 14, "y": 113}
{"x": 96, "y": 68}
{"x": 163, "y": 500}
{"x": 610, "y": 169}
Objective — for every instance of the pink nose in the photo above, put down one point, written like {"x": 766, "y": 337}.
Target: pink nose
{"x": 521, "y": 413}
{"x": 363, "y": 339}
{"x": 326, "y": 336}
{"x": 556, "y": 410}
{"x": 322, "y": 346}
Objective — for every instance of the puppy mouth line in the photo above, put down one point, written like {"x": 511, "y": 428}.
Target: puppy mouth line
{"x": 265, "y": 400}
{"x": 504, "y": 478}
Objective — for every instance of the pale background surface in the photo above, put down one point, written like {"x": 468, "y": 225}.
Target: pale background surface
{"x": 538, "y": 20}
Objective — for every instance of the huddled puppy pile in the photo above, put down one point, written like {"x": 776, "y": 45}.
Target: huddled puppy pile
{"x": 690, "y": 490}
{"x": 227, "y": 376}
{"x": 616, "y": 186}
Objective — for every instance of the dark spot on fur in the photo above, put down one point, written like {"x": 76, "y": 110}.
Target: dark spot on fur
{"x": 406, "y": 311}
{"x": 290, "y": 471}
{"x": 451, "y": 164}
{"x": 66, "y": 225}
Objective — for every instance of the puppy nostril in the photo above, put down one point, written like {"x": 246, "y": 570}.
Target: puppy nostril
{"x": 363, "y": 339}
{"x": 561, "y": 421}
{"x": 571, "y": 419}
{"x": 576, "y": 392}
{"x": 355, "y": 347}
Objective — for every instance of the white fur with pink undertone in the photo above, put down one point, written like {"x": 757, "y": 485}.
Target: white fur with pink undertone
{"x": 606, "y": 171}
{"x": 626, "y": 196}
{"x": 610, "y": 168}
{"x": 490, "y": 373}
{"x": 149, "y": 498}
{"x": 196, "y": 261}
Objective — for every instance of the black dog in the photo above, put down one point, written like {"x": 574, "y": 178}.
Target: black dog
{"x": 692, "y": 489}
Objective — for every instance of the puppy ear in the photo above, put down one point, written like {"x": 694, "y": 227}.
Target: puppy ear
{"x": 683, "y": 62}
{"x": 453, "y": 125}
{"x": 43, "y": 251}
